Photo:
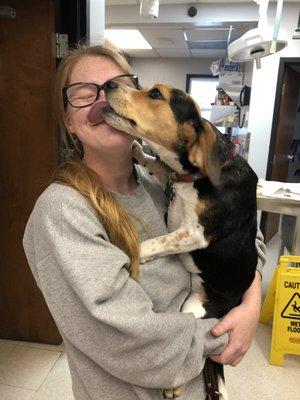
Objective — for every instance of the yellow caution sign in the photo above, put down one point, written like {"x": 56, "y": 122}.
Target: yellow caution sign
{"x": 283, "y": 303}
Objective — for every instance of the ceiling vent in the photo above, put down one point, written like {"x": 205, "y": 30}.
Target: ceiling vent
{"x": 208, "y": 45}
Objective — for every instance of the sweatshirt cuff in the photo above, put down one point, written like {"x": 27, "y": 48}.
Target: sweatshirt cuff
{"x": 259, "y": 267}
{"x": 213, "y": 345}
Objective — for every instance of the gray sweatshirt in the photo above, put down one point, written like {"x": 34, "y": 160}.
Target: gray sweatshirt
{"x": 124, "y": 339}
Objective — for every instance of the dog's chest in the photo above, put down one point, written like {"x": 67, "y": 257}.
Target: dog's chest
{"x": 182, "y": 209}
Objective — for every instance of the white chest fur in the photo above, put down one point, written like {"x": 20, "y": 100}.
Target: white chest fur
{"x": 182, "y": 210}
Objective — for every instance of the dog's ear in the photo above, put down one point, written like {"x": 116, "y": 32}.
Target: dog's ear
{"x": 206, "y": 153}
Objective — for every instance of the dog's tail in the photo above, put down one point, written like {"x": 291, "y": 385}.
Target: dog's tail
{"x": 214, "y": 380}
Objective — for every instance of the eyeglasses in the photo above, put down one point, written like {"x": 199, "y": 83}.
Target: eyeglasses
{"x": 84, "y": 94}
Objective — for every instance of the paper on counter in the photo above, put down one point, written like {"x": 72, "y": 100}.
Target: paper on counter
{"x": 282, "y": 190}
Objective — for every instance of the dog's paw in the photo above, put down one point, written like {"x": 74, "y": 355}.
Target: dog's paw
{"x": 172, "y": 393}
{"x": 144, "y": 259}
{"x": 146, "y": 253}
{"x": 138, "y": 154}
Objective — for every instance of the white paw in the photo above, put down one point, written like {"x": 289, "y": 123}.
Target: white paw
{"x": 172, "y": 393}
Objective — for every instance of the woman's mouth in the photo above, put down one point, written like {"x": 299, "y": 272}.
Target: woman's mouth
{"x": 95, "y": 116}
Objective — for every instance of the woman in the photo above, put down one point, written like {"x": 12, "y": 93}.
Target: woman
{"x": 124, "y": 335}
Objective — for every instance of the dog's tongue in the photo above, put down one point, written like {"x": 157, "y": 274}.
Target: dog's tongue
{"x": 95, "y": 115}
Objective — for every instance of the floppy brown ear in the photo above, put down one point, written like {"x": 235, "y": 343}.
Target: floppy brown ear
{"x": 205, "y": 155}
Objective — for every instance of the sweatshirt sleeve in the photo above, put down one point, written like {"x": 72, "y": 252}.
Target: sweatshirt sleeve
{"x": 102, "y": 311}
{"x": 261, "y": 251}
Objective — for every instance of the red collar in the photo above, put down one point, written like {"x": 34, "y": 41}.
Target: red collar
{"x": 186, "y": 177}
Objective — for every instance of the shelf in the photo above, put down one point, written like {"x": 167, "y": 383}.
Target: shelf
{"x": 221, "y": 113}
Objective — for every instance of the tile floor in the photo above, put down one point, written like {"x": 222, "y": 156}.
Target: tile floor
{"x": 30, "y": 371}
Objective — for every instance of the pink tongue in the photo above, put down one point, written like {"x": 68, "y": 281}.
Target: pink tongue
{"x": 95, "y": 115}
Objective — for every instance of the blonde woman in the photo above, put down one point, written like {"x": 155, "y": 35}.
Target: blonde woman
{"x": 121, "y": 323}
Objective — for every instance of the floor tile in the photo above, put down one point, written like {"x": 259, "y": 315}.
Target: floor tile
{"x": 52, "y": 347}
{"x": 255, "y": 378}
{"x": 58, "y": 383}
{"x": 5, "y": 350}
{"x": 15, "y": 393}
{"x": 27, "y": 367}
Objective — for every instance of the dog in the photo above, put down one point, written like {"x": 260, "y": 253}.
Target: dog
{"x": 212, "y": 200}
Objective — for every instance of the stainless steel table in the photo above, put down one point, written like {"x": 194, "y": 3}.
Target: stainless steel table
{"x": 283, "y": 206}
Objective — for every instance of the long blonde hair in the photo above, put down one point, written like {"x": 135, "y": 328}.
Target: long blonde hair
{"x": 72, "y": 172}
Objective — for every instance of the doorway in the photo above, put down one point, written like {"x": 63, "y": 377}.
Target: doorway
{"x": 284, "y": 151}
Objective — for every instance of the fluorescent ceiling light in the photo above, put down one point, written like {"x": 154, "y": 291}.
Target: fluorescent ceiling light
{"x": 127, "y": 39}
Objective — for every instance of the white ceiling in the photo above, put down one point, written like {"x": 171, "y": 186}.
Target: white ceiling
{"x": 207, "y": 33}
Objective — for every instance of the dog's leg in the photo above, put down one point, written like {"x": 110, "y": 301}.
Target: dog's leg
{"x": 152, "y": 164}
{"x": 183, "y": 240}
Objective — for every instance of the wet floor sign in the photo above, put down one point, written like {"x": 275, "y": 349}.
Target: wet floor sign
{"x": 283, "y": 303}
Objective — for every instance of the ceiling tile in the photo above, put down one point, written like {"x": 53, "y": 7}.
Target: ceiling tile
{"x": 179, "y": 53}
{"x": 237, "y": 33}
{"x": 208, "y": 53}
{"x": 120, "y": 2}
{"x": 165, "y": 38}
{"x": 207, "y": 34}
{"x": 176, "y": 2}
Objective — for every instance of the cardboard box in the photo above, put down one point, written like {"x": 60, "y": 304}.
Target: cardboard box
{"x": 231, "y": 78}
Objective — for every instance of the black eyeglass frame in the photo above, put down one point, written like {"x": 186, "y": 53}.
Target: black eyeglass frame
{"x": 99, "y": 88}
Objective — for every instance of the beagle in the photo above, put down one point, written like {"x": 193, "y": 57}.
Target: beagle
{"x": 212, "y": 192}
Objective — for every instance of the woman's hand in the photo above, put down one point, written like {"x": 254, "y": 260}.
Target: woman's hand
{"x": 240, "y": 323}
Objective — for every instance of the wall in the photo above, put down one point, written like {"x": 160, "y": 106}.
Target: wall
{"x": 264, "y": 87}
{"x": 172, "y": 71}
{"x": 248, "y": 73}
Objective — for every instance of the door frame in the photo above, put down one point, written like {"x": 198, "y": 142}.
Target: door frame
{"x": 284, "y": 63}
{"x": 70, "y": 18}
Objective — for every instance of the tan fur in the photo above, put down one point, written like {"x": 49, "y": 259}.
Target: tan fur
{"x": 200, "y": 207}
{"x": 202, "y": 295}
{"x": 154, "y": 119}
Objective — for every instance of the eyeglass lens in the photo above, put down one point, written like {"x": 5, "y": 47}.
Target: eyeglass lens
{"x": 85, "y": 94}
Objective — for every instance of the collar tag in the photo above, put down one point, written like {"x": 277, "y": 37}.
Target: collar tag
{"x": 169, "y": 190}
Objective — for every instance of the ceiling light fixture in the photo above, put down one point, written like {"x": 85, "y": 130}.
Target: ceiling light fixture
{"x": 259, "y": 42}
{"x": 127, "y": 39}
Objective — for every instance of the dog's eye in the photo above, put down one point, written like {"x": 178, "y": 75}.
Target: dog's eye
{"x": 155, "y": 94}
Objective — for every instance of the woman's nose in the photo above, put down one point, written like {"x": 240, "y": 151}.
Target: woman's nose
{"x": 101, "y": 95}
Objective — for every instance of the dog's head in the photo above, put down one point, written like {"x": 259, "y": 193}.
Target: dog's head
{"x": 169, "y": 121}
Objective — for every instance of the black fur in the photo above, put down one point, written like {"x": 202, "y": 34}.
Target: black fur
{"x": 184, "y": 109}
{"x": 227, "y": 266}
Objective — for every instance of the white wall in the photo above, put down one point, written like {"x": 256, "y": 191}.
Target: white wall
{"x": 172, "y": 71}
{"x": 248, "y": 73}
{"x": 264, "y": 87}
